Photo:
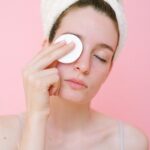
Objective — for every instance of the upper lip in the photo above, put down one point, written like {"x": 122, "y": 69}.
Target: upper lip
{"x": 77, "y": 81}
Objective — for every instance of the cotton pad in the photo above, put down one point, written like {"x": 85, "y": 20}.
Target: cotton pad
{"x": 75, "y": 53}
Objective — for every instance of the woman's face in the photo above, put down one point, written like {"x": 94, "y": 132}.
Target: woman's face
{"x": 99, "y": 36}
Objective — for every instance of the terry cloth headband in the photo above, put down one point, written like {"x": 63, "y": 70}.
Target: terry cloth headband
{"x": 51, "y": 10}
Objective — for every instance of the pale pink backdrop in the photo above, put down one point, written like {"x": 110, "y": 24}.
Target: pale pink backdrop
{"x": 126, "y": 93}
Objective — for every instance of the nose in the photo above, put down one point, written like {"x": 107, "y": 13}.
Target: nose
{"x": 83, "y": 64}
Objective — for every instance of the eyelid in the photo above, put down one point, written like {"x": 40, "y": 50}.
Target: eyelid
{"x": 101, "y": 59}
{"x": 102, "y": 53}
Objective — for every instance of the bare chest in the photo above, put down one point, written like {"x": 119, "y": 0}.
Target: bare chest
{"x": 71, "y": 144}
{"x": 94, "y": 141}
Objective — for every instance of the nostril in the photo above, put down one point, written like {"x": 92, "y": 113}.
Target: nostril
{"x": 77, "y": 68}
{"x": 82, "y": 69}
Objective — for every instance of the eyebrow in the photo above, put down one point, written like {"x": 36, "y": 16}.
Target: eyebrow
{"x": 101, "y": 45}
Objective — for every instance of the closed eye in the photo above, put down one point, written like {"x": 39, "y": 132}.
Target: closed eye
{"x": 101, "y": 59}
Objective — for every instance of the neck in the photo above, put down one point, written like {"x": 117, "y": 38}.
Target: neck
{"x": 68, "y": 116}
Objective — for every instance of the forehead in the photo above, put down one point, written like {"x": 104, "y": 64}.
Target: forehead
{"x": 92, "y": 25}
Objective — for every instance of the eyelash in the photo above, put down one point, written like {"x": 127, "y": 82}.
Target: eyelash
{"x": 103, "y": 60}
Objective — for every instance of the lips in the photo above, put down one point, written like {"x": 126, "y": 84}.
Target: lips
{"x": 77, "y": 81}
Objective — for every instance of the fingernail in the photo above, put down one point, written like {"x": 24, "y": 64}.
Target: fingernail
{"x": 71, "y": 43}
{"x": 62, "y": 42}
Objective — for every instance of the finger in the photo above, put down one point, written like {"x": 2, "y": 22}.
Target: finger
{"x": 38, "y": 88}
{"x": 55, "y": 88}
{"x": 52, "y": 65}
{"x": 47, "y": 73}
{"x": 42, "y": 85}
{"x": 49, "y": 59}
{"x": 43, "y": 73}
{"x": 46, "y": 51}
{"x": 30, "y": 79}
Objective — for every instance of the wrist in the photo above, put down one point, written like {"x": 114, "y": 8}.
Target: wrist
{"x": 37, "y": 115}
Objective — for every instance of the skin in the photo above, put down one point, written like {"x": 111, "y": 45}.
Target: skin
{"x": 72, "y": 124}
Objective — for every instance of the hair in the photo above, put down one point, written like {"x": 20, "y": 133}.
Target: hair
{"x": 99, "y": 5}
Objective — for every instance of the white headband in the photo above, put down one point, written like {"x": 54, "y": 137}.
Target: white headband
{"x": 51, "y": 10}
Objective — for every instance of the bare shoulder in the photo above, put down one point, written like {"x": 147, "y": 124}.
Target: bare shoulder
{"x": 9, "y": 131}
{"x": 135, "y": 138}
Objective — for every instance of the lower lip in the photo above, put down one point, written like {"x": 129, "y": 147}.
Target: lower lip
{"x": 75, "y": 85}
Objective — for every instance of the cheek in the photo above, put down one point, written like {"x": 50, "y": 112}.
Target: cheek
{"x": 99, "y": 72}
{"x": 62, "y": 69}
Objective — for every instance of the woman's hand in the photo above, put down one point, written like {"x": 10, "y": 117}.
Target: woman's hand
{"x": 41, "y": 77}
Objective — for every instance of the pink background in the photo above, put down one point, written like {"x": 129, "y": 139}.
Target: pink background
{"x": 126, "y": 93}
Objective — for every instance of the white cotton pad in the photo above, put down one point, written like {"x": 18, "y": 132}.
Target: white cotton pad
{"x": 75, "y": 53}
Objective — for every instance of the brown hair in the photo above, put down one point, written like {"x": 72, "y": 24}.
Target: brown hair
{"x": 99, "y": 5}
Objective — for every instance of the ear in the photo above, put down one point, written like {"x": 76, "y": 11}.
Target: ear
{"x": 45, "y": 43}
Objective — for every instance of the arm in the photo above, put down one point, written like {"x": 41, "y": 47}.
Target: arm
{"x": 34, "y": 130}
{"x": 41, "y": 80}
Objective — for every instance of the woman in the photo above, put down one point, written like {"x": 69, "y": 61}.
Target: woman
{"x": 58, "y": 115}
